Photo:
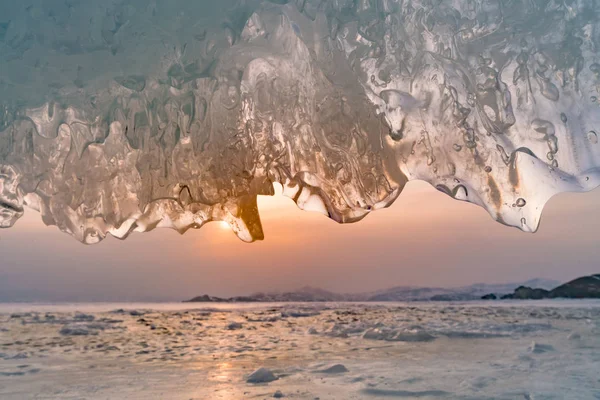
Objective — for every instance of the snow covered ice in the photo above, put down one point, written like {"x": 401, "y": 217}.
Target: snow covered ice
{"x": 125, "y": 115}
{"x": 475, "y": 350}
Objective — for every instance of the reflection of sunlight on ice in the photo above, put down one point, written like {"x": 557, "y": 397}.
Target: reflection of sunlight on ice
{"x": 221, "y": 373}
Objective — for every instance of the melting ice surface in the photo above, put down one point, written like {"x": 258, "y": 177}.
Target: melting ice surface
{"x": 126, "y": 115}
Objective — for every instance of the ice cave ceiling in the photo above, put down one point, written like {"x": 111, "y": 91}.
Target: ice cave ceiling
{"x": 125, "y": 115}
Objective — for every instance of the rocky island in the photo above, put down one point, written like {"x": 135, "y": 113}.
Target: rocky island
{"x": 587, "y": 287}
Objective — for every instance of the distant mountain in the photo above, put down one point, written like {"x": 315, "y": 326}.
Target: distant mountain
{"x": 546, "y": 284}
{"x": 305, "y": 294}
{"x": 206, "y": 299}
{"x": 400, "y": 293}
{"x": 471, "y": 292}
{"x": 586, "y": 287}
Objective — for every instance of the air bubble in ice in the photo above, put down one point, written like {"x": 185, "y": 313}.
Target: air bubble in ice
{"x": 563, "y": 117}
{"x": 592, "y": 137}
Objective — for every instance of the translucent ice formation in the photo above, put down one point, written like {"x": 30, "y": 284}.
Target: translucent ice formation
{"x": 126, "y": 115}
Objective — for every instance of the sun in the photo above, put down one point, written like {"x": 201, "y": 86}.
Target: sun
{"x": 224, "y": 225}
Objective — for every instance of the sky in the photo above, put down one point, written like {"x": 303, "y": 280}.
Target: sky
{"x": 424, "y": 239}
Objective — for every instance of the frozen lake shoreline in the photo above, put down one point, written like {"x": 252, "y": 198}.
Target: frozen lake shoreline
{"x": 474, "y": 350}
{"x": 19, "y": 307}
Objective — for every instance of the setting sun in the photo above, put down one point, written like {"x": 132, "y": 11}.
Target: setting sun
{"x": 223, "y": 225}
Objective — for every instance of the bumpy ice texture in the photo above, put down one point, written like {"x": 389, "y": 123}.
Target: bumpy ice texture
{"x": 125, "y": 115}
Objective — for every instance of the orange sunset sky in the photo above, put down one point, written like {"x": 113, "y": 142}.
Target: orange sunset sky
{"x": 424, "y": 239}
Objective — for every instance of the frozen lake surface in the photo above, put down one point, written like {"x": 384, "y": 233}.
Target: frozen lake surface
{"x": 478, "y": 350}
